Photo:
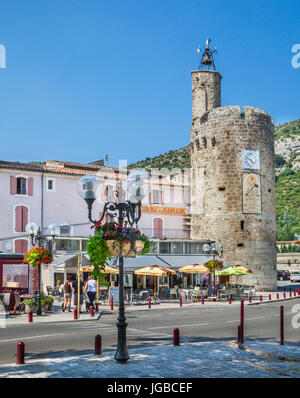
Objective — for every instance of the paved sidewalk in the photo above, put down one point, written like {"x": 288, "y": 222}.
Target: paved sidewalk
{"x": 56, "y": 315}
{"x": 219, "y": 358}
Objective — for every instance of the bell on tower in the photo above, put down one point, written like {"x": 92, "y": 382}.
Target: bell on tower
{"x": 207, "y": 59}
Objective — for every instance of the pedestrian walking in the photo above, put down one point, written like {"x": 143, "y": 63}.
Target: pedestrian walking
{"x": 91, "y": 289}
{"x": 67, "y": 290}
{"x": 75, "y": 292}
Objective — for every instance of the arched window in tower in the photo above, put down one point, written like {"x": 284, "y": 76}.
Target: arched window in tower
{"x": 158, "y": 228}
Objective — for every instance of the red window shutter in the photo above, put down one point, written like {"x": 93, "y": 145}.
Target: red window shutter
{"x": 21, "y": 218}
{"x": 24, "y": 218}
{"x": 158, "y": 227}
{"x": 150, "y": 197}
{"x": 21, "y": 246}
{"x": 18, "y": 219}
{"x": 30, "y": 186}
{"x": 13, "y": 185}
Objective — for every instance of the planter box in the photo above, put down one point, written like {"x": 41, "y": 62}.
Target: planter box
{"x": 115, "y": 250}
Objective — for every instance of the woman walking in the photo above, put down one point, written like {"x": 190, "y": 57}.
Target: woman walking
{"x": 67, "y": 289}
{"x": 91, "y": 290}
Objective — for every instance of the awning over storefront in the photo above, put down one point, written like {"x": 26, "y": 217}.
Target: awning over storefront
{"x": 173, "y": 262}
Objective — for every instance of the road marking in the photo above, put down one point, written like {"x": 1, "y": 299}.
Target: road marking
{"x": 32, "y": 337}
{"x": 247, "y": 319}
{"x": 182, "y": 326}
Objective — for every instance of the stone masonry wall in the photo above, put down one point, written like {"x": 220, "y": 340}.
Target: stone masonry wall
{"x": 218, "y": 138}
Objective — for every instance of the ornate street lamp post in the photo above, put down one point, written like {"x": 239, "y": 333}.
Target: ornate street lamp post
{"x": 37, "y": 237}
{"x": 126, "y": 212}
{"x": 212, "y": 249}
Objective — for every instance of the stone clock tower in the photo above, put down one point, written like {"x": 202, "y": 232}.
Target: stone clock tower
{"x": 233, "y": 191}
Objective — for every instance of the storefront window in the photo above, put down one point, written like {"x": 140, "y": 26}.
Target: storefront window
{"x": 128, "y": 280}
{"x": 164, "y": 247}
{"x": 15, "y": 276}
{"x": 176, "y": 248}
{"x": 194, "y": 248}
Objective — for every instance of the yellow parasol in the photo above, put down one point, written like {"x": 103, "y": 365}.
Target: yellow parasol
{"x": 194, "y": 269}
{"x": 107, "y": 269}
{"x": 155, "y": 271}
{"x": 240, "y": 267}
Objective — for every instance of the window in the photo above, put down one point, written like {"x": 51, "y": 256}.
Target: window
{"x": 21, "y": 186}
{"x": 177, "y": 248}
{"x": 65, "y": 230}
{"x": 50, "y": 184}
{"x": 21, "y": 218}
{"x": 156, "y": 197}
{"x": 157, "y": 228}
{"x": 15, "y": 276}
{"x": 164, "y": 247}
{"x": 21, "y": 246}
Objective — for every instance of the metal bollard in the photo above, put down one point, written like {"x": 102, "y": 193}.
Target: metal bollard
{"x": 180, "y": 301}
{"x": 20, "y": 353}
{"x": 270, "y": 297}
{"x": 30, "y": 316}
{"x": 290, "y": 293}
{"x": 294, "y": 293}
{"x": 260, "y": 298}
{"x": 176, "y": 337}
{"x": 284, "y": 296}
{"x": 281, "y": 325}
{"x": 97, "y": 350}
{"x": 250, "y": 299}
{"x": 75, "y": 313}
{"x": 149, "y": 302}
{"x": 229, "y": 300}
{"x": 277, "y": 296}
{"x": 298, "y": 292}
{"x": 202, "y": 300}
{"x": 92, "y": 311}
{"x": 112, "y": 303}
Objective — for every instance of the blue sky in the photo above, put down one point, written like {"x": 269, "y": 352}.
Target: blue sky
{"x": 89, "y": 78}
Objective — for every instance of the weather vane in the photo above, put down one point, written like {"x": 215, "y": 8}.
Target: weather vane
{"x": 207, "y": 59}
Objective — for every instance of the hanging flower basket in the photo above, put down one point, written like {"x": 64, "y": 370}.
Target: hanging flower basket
{"x": 212, "y": 265}
{"x": 38, "y": 255}
{"x": 113, "y": 240}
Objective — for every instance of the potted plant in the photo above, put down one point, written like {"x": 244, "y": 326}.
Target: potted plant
{"x": 49, "y": 301}
{"x": 44, "y": 304}
{"x": 30, "y": 304}
{"x": 112, "y": 239}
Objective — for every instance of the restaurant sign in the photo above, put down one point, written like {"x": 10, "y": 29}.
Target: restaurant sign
{"x": 169, "y": 211}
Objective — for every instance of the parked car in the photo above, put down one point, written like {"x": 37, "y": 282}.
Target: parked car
{"x": 283, "y": 275}
{"x": 295, "y": 276}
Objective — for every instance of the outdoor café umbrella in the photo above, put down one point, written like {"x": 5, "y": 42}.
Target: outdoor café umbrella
{"x": 194, "y": 269}
{"x": 240, "y": 267}
{"x": 155, "y": 270}
{"x": 231, "y": 271}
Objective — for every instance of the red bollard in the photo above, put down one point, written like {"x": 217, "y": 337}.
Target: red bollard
{"x": 294, "y": 293}
{"x": 149, "y": 302}
{"x": 298, "y": 292}
{"x": 180, "y": 301}
{"x": 250, "y": 299}
{"x": 112, "y": 303}
{"x": 229, "y": 300}
{"x": 260, "y": 298}
{"x": 92, "y": 311}
{"x": 97, "y": 350}
{"x": 242, "y": 321}
{"x": 202, "y": 300}
{"x": 277, "y": 296}
{"x": 176, "y": 336}
{"x": 20, "y": 353}
{"x": 270, "y": 297}
{"x": 284, "y": 295}
{"x": 75, "y": 313}
{"x": 290, "y": 293}
{"x": 281, "y": 326}
{"x": 30, "y": 316}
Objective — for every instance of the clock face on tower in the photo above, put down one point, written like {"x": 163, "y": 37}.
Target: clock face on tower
{"x": 251, "y": 194}
{"x": 251, "y": 159}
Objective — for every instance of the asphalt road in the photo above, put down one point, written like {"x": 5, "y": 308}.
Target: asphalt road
{"x": 145, "y": 327}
